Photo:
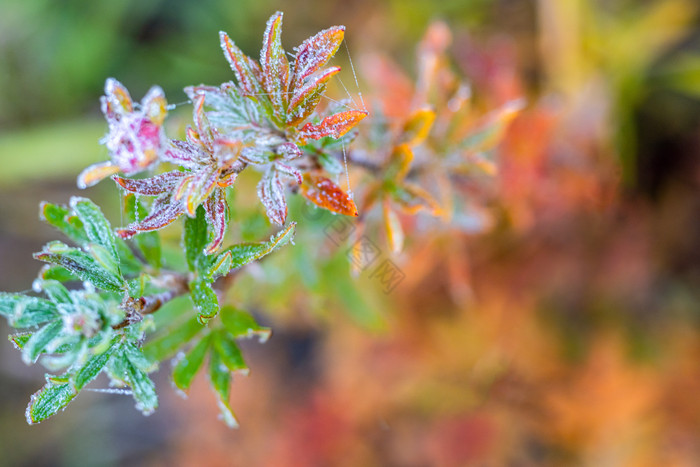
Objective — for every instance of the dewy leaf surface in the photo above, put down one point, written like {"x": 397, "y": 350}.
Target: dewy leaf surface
{"x": 271, "y": 193}
{"x": 59, "y": 217}
{"x": 335, "y": 126}
{"x": 275, "y": 68}
{"x": 97, "y": 227}
{"x": 81, "y": 264}
{"x": 48, "y": 401}
{"x": 245, "y": 253}
{"x": 242, "y": 66}
{"x": 204, "y": 299}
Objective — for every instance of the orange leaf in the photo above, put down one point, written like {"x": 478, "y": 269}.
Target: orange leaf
{"x": 95, "y": 173}
{"x": 324, "y": 193}
{"x": 315, "y": 52}
{"x": 335, "y": 126}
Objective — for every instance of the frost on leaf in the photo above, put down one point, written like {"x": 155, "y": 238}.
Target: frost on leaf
{"x": 271, "y": 193}
{"x": 315, "y": 52}
{"x": 335, "y": 126}
{"x": 206, "y": 159}
{"x": 135, "y": 138}
{"x": 246, "y": 70}
{"x": 324, "y": 193}
{"x": 241, "y": 254}
{"x": 274, "y": 64}
{"x": 163, "y": 212}
{"x": 153, "y": 186}
{"x": 216, "y": 209}
{"x": 307, "y": 95}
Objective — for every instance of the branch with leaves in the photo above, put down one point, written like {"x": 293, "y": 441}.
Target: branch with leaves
{"x": 269, "y": 119}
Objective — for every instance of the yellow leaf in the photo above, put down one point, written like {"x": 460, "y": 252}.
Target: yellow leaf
{"x": 418, "y": 126}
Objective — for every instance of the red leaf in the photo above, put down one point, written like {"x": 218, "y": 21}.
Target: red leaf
{"x": 274, "y": 64}
{"x": 335, "y": 126}
{"x": 324, "y": 193}
{"x": 245, "y": 69}
{"x": 216, "y": 209}
{"x": 315, "y": 52}
{"x": 163, "y": 212}
{"x": 153, "y": 186}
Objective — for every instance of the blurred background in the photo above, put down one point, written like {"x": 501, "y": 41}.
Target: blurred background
{"x": 559, "y": 326}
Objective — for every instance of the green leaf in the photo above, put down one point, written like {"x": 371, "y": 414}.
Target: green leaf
{"x": 58, "y": 273}
{"x": 240, "y": 323}
{"x": 56, "y": 292}
{"x": 40, "y": 340}
{"x": 229, "y": 352}
{"x": 204, "y": 299}
{"x": 138, "y": 358}
{"x": 196, "y": 240}
{"x": 171, "y": 340}
{"x": 104, "y": 258}
{"x": 49, "y": 400}
{"x": 96, "y": 225}
{"x": 142, "y": 387}
{"x": 244, "y": 253}
{"x": 220, "y": 266}
{"x": 19, "y": 339}
{"x": 147, "y": 242}
{"x": 95, "y": 365}
{"x": 22, "y": 311}
{"x": 129, "y": 264}
{"x": 220, "y": 379}
{"x": 187, "y": 367}
{"x": 59, "y": 217}
{"x": 84, "y": 266}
